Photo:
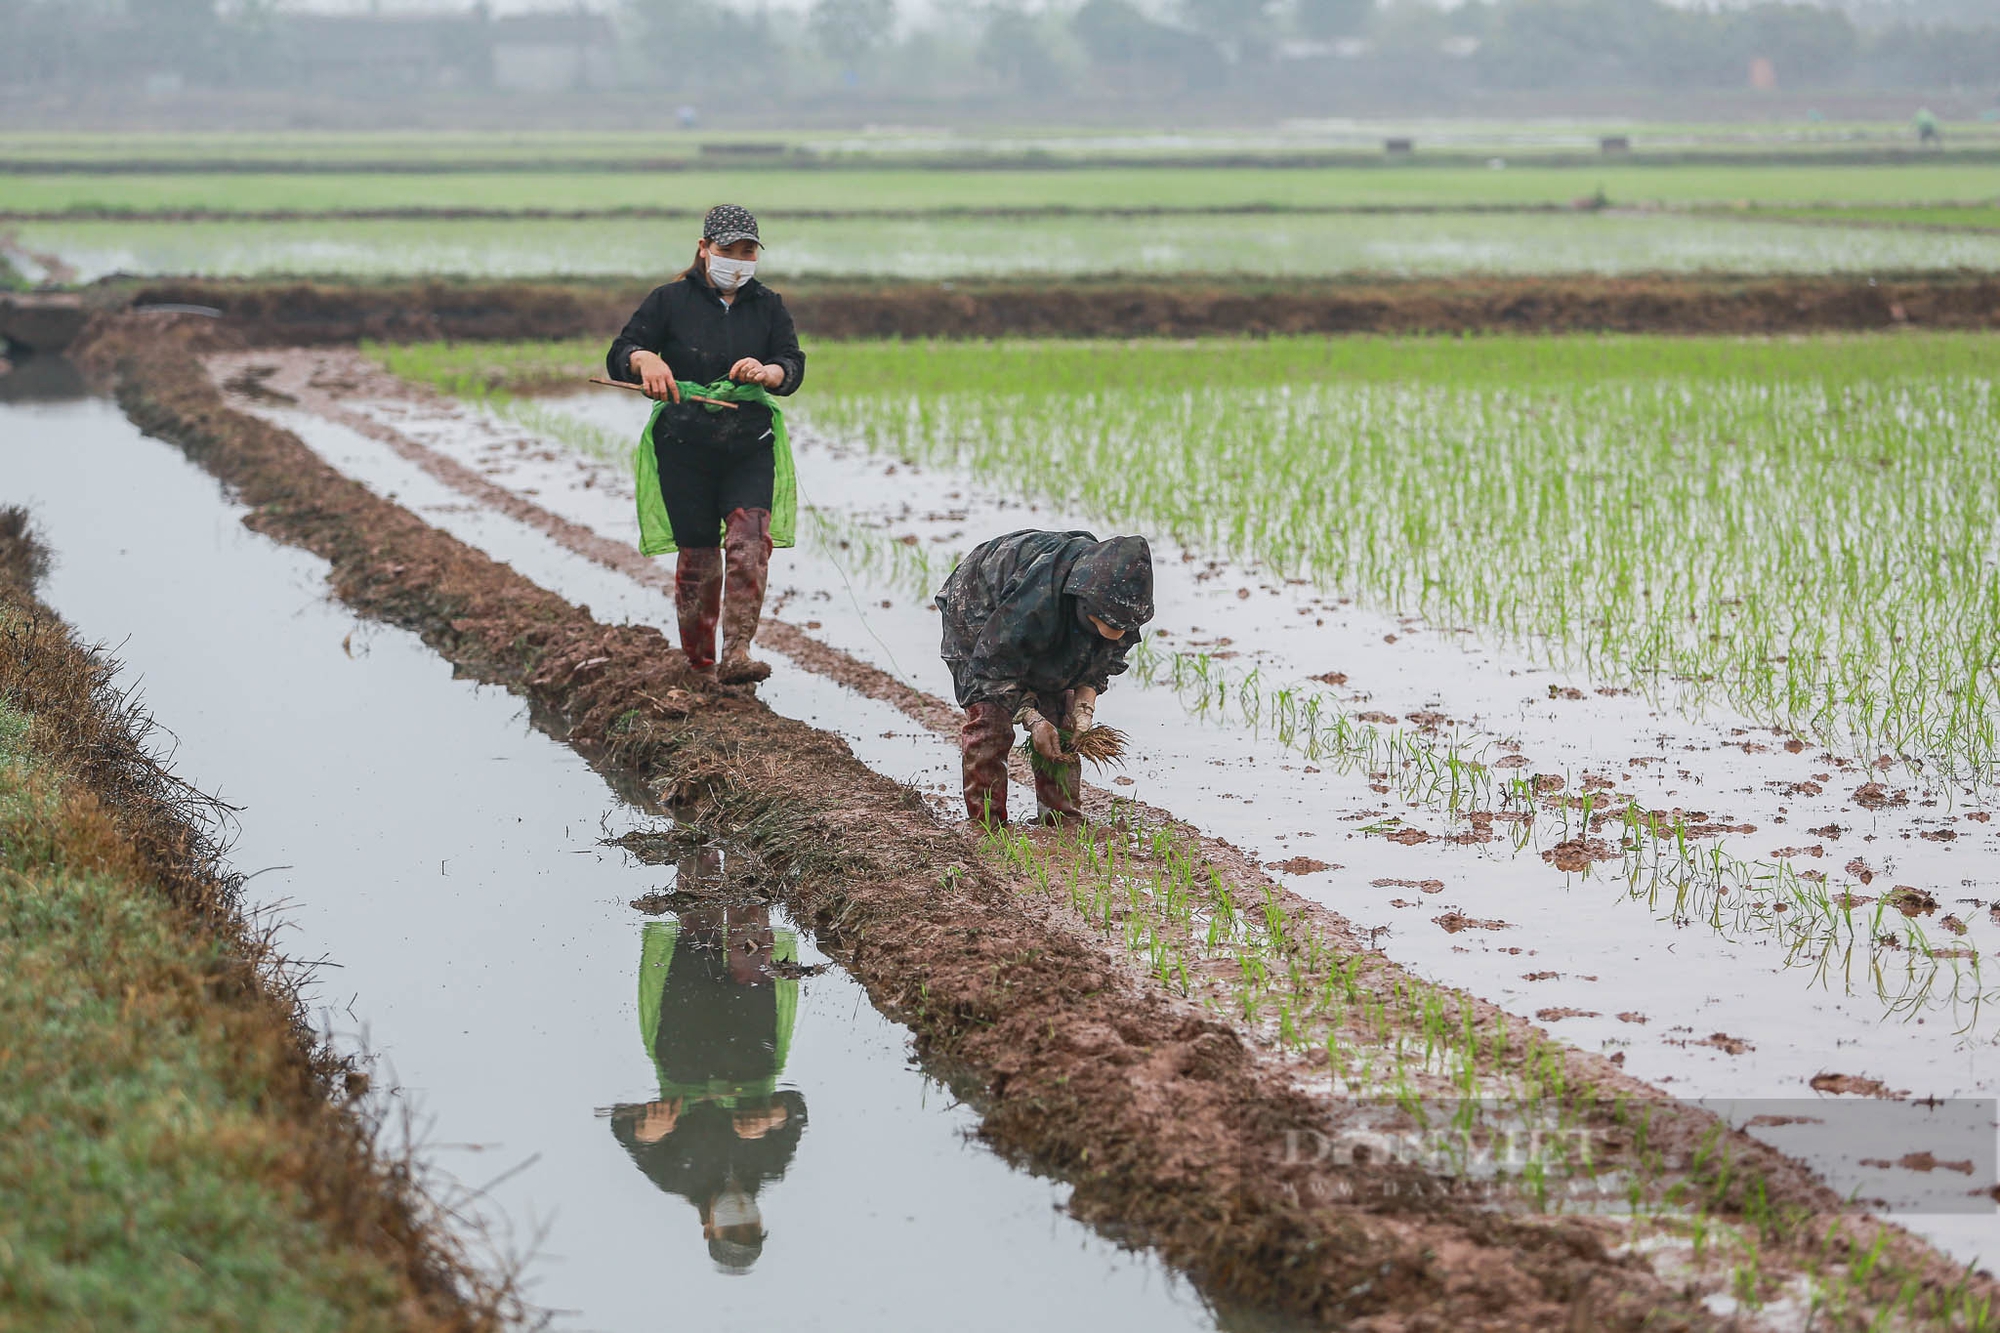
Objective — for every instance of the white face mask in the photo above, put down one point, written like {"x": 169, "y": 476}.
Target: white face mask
{"x": 729, "y": 274}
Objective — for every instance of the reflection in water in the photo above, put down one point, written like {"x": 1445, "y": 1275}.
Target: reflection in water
{"x": 717, "y": 1022}
{"x": 38, "y": 379}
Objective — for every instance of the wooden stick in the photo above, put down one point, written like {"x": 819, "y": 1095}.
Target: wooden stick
{"x": 686, "y": 397}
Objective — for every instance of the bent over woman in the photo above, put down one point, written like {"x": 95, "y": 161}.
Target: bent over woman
{"x": 710, "y": 348}
{"x": 1035, "y": 626}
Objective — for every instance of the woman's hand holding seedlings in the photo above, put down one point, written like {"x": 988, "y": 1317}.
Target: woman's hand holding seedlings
{"x": 1083, "y": 710}
{"x": 752, "y": 371}
{"x": 1048, "y": 743}
{"x": 654, "y": 376}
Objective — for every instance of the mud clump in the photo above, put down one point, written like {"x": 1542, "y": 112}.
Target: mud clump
{"x": 1854, "y": 1085}
{"x": 1918, "y": 1161}
{"x": 1875, "y": 796}
{"x": 1578, "y": 854}
{"x": 1300, "y": 865}
{"x": 1557, "y": 1014}
{"x": 1422, "y": 885}
{"x": 1910, "y": 900}
{"x": 1454, "y": 922}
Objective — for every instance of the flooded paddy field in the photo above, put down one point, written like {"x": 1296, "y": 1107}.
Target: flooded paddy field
{"x": 935, "y": 246}
{"x": 444, "y": 859}
{"x": 1465, "y": 805}
{"x": 1708, "y": 961}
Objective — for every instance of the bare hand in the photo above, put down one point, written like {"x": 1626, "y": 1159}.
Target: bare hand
{"x": 1048, "y": 743}
{"x": 657, "y": 1120}
{"x": 655, "y": 377}
{"x": 752, "y": 371}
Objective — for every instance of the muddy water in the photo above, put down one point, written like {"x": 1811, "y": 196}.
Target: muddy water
{"x": 640, "y": 1110}
{"x": 1616, "y": 975}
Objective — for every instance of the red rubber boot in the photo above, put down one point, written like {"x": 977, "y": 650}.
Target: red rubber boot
{"x": 984, "y": 739}
{"x": 747, "y": 546}
{"x": 698, "y": 604}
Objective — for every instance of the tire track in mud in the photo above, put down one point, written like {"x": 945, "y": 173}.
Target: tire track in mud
{"x": 1168, "y": 1122}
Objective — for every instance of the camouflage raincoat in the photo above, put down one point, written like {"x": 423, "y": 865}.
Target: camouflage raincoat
{"x": 1015, "y": 615}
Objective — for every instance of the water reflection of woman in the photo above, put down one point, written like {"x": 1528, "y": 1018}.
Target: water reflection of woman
{"x": 717, "y": 1024}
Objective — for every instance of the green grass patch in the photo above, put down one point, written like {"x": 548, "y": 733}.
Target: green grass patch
{"x": 149, "y": 1183}
{"x": 1083, "y": 188}
{"x": 1970, "y": 217}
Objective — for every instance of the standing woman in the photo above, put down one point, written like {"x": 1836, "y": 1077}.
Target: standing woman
{"x": 711, "y": 348}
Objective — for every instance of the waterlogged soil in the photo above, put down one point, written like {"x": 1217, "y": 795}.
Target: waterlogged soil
{"x": 1163, "y": 1116}
{"x": 323, "y": 313}
{"x": 590, "y": 1101}
{"x": 1711, "y": 1010}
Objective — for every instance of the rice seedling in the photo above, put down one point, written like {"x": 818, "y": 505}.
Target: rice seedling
{"x": 1814, "y": 550}
{"x": 1465, "y": 1102}
{"x": 1657, "y": 864}
{"x": 1101, "y": 746}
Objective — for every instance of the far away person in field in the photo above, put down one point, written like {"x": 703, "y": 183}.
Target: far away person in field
{"x": 1035, "y": 626}
{"x": 715, "y": 480}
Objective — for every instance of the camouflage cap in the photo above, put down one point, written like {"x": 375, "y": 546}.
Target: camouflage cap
{"x": 727, "y": 224}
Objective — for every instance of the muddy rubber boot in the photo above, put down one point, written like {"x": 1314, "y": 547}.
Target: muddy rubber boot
{"x": 1058, "y": 785}
{"x": 1056, "y": 791}
{"x": 698, "y": 604}
{"x": 984, "y": 739}
{"x": 747, "y": 545}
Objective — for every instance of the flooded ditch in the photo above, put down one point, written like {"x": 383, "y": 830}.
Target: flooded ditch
{"x": 676, "y": 1115}
{"x": 1705, "y": 1009}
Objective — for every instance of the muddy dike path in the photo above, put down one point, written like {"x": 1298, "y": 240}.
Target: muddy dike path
{"x": 319, "y": 313}
{"x": 1182, "y": 1124}
{"x": 172, "y": 1113}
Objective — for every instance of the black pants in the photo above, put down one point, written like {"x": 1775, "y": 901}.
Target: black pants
{"x": 704, "y": 480}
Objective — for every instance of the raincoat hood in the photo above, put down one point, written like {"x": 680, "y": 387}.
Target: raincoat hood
{"x": 1113, "y": 581}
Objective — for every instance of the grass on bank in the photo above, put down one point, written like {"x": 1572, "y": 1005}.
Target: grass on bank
{"x": 773, "y": 193}
{"x": 164, "y": 1165}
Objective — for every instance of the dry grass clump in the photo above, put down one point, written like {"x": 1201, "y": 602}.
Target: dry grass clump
{"x": 24, "y": 562}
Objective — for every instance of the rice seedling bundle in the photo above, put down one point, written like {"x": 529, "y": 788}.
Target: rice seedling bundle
{"x": 1102, "y": 746}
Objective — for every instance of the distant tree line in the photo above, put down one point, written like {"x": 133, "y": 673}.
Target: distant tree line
{"x": 1519, "y": 44}
{"x": 1058, "y": 47}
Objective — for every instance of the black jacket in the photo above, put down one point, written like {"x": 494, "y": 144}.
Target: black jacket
{"x": 686, "y": 323}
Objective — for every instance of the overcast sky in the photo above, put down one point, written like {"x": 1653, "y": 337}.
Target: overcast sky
{"x": 911, "y": 8}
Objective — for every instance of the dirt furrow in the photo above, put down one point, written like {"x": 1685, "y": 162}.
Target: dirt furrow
{"x": 299, "y": 313}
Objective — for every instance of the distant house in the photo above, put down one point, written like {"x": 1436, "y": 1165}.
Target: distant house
{"x": 551, "y": 52}
{"x": 384, "y": 52}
